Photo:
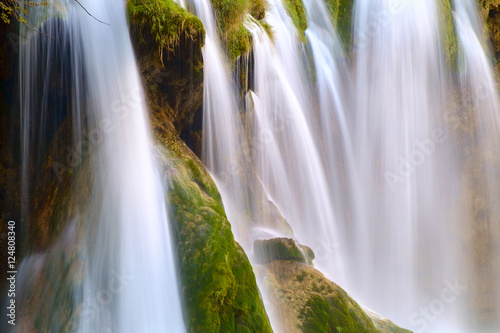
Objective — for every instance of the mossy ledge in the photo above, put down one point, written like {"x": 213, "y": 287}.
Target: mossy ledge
{"x": 166, "y": 21}
{"x": 230, "y": 15}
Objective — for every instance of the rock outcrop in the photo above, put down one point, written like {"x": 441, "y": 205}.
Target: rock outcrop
{"x": 304, "y": 300}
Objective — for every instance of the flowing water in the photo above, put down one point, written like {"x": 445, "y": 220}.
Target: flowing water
{"x": 386, "y": 136}
{"x": 288, "y": 163}
{"x": 408, "y": 179}
{"x": 129, "y": 281}
{"x": 386, "y": 167}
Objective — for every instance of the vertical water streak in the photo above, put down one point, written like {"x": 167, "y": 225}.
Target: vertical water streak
{"x": 333, "y": 88}
{"x": 408, "y": 177}
{"x": 125, "y": 225}
{"x": 222, "y": 130}
{"x": 288, "y": 162}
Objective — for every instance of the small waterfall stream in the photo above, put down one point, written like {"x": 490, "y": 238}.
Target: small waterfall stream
{"x": 126, "y": 229}
{"x": 404, "y": 159}
{"x": 288, "y": 163}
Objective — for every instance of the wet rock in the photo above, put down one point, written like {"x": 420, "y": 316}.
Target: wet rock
{"x": 283, "y": 249}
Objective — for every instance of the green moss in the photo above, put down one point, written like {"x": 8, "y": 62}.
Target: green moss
{"x": 333, "y": 9}
{"x": 332, "y": 315}
{"x": 258, "y": 9}
{"x": 341, "y": 14}
{"x": 238, "y": 41}
{"x": 230, "y": 15}
{"x": 218, "y": 283}
{"x": 450, "y": 46}
{"x": 295, "y": 9}
{"x": 166, "y": 22}
{"x": 343, "y": 20}
{"x": 267, "y": 27}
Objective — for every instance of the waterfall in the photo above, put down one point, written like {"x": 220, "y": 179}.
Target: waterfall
{"x": 408, "y": 188}
{"x": 129, "y": 259}
{"x": 333, "y": 87}
{"x": 222, "y": 143}
{"x": 288, "y": 162}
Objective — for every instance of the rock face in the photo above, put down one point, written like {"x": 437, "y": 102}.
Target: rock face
{"x": 305, "y": 301}
{"x": 170, "y": 63}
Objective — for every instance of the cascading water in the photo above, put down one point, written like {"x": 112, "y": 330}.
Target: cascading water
{"x": 126, "y": 229}
{"x": 410, "y": 216}
{"x": 333, "y": 85}
{"x": 222, "y": 130}
{"x": 408, "y": 180}
{"x": 288, "y": 163}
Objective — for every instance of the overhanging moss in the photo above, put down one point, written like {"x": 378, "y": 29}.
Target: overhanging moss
{"x": 230, "y": 15}
{"x": 166, "y": 21}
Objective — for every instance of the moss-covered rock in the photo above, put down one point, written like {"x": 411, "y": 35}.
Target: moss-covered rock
{"x": 218, "y": 282}
{"x": 448, "y": 33}
{"x": 174, "y": 76}
{"x": 268, "y": 250}
{"x": 166, "y": 21}
{"x": 230, "y": 16}
{"x": 306, "y": 301}
{"x": 297, "y": 12}
{"x": 341, "y": 12}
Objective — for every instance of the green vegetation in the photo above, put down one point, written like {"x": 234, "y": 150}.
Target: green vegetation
{"x": 17, "y": 10}
{"x": 341, "y": 14}
{"x": 333, "y": 9}
{"x": 295, "y": 9}
{"x": 450, "y": 46}
{"x": 344, "y": 22}
{"x": 230, "y": 15}
{"x": 332, "y": 315}
{"x": 218, "y": 282}
{"x": 166, "y": 21}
